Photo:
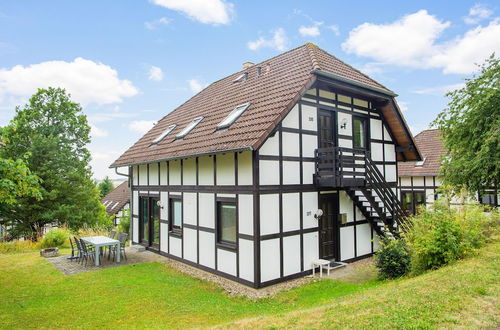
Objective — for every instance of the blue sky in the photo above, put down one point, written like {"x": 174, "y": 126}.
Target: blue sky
{"x": 129, "y": 63}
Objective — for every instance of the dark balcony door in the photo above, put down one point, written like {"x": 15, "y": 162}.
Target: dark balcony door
{"x": 329, "y": 233}
{"x": 149, "y": 217}
{"x": 326, "y": 129}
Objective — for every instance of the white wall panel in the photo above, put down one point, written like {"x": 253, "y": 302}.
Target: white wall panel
{"x": 226, "y": 261}
{"x": 418, "y": 180}
{"x": 245, "y": 248}
{"x": 189, "y": 205}
{"x": 387, "y": 137}
{"x": 309, "y": 118}
{"x": 363, "y": 239}
{"x": 207, "y": 210}
{"x": 190, "y": 241}
{"x": 175, "y": 246}
{"x": 346, "y": 206}
{"x": 429, "y": 195}
{"x": 377, "y": 151}
{"x": 308, "y": 171}
{"x": 376, "y": 129}
{"x": 207, "y": 251}
{"x": 390, "y": 173}
{"x": 135, "y": 229}
{"x": 346, "y": 243}
{"x": 135, "y": 202}
{"x": 390, "y": 153}
{"x": 292, "y": 118}
{"x": 290, "y": 144}
{"x": 153, "y": 174}
{"x": 405, "y": 181}
{"x": 271, "y": 146}
{"x": 310, "y": 206}
{"x": 344, "y": 118}
{"x": 291, "y": 255}
{"x": 189, "y": 171}
{"x": 245, "y": 214}
{"x": 174, "y": 172}
{"x": 164, "y": 204}
{"x": 225, "y": 169}
{"x": 309, "y": 144}
{"x": 163, "y": 237}
{"x": 376, "y": 241}
{"x": 291, "y": 211}
{"x": 245, "y": 176}
{"x": 143, "y": 174}
{"x": 270, "y": 259}
{"x": 269, "y": 214}
{"x": 311, "y": 250}
{"x": 135, "y": 175}
{"x": 163, "y": 173}
{"x": 206, "y": 170}
{"x": 291, "y": 172}
{"x": 269, "y": 172}
{"x": 345, "y": 143}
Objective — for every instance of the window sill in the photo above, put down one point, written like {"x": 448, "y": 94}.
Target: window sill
{"x": 175, "y": 233}
{"x": 227, "y": 246}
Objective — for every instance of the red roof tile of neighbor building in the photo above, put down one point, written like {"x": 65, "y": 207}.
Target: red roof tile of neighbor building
{"x": 430, "y": 144}
{"x": 271, "y": 95}
{"x": 116, "y": 199}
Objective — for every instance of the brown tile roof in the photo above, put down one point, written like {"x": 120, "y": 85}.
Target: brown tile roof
{"x": 120, "y": 195}
{"x": 271, "y": 96}
{"x": 431, "y": 147}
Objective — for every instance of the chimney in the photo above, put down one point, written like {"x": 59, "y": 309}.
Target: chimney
{"x": 247, "y": 65}
{"x": 259, "y": 71}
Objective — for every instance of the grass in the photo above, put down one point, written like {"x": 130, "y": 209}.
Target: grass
{"x": 33, "y": 294}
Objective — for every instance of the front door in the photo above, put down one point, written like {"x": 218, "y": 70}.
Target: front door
{"x": 149, "y": 217}
{"x": 329, "y": 228}
{"x": 326, "y": 129}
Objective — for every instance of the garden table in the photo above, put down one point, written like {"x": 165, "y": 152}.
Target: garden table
{"x": 101, "y": 241}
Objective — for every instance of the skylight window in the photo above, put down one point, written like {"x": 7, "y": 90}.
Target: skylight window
{"x": 235, "y": 114}
{"x": 240, "y": 78}
{"x": 189, "y": 128}
{"x": 165, "y": 133}
{"x": 421, "y": 162}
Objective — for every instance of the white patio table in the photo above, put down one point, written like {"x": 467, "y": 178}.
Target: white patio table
{"x": 101, "y": 241}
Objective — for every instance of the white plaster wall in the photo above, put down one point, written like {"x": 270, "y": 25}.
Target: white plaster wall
{"x": 269, "y": 172}
{"x": 405, "y": 181}
{"x": 226, "y": 195}
{"x": 311, "y": 251}
{"x": 135, "y": 172}
{"x": 346, "y": 243}
{"x": 291, "y": 211}
{"x": 359, "y": 215}
{"x": 291, "y": 172}
{"x": 269, "y": 214}
{"x": 271, "y": 146}
{"x": 189, "y": 206}
{"x": 309, "y": 144}
{"x": 363, "y": 239}
{"x": 418, "y": 180}
{"x": 207, "y": 210}
{"x": 245, "y": 214}
{"x": 390, "y": 173}
{"x": 291, "y": 255}
{"x": 376, "y": 129}
{"x": 207, "y": 251}
{"x": 226, "y": 261}
{"x": 225, "y": 169}
{"x": 245, "y": 176}
{"x": 360, "y": 102}
{"x": 175, "y": 246}
{"x": 190, "y": 242}
{"x": 292, "y": 118}
{"x": 245, "y": 249}
{"x": 206, "y": 170}
{"x": 429, "y": 196}
{"x": 189, "y": 171}
{"x": 135, "y": 229}
{"x": 310, "y": 206}
{"x": 270, "y": 259}
{"x": 174, "y": 172}
{"x": 164, "y": 237}
{"x": 153, "y": 174}
{"x": 439, "y": 181}
{"x": 377, "y": 151}
{"x": 345, "y": 143}
{"x": 308, "y": 171}
{"x": 390, "y": 153}
{"x": 376, "y": 241}
{"x": 309, "y": 118}
{"x": 387, "y": 137}
{"x": 346, "y": 206}
{"x": 164, "y": 204}
{"x": 290, "y": 144}
{"x": 143, "y": 174}
{"x": 135, "y": 202}
{"x": 341, "y": 118}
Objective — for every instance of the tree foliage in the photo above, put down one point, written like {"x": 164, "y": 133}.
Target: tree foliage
{"x": 16, "y": 180}
{"x": 105, "y": 186}
{"x": 50, "y": 133}
{"x": 471, "y": 131}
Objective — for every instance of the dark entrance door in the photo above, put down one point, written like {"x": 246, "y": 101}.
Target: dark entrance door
{"x": 329, "y": 234}
{"x": 149, "y": 217}
{"x": 326, "y": 129}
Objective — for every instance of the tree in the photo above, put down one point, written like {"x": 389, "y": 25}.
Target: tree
{"x": 50, "y": 133}
{"x": 105, "y": 186}
{"x": 471, "y": 131}
{"x": 16, "y": 180}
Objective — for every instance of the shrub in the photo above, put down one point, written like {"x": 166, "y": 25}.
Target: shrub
{"x": 443, "y": 234}
{"x": 54, "y": 238}
{"x": 393, "y": 259}
{"x": 124, "y": 225}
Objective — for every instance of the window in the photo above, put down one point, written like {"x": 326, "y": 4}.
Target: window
{"x": 165, "y": 133}
{"x": 359, "y": 132}
{"x": 421, "y": 162}
{"x": 412, "y": 200}
{"x": 235, "y": 114}
{"x": 175, "y": 220}
{"x": 226, "y": 223}
{"x": 488, "y": 199}
{"x": 189, "y": 128}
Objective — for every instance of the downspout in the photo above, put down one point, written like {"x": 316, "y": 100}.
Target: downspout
{"x": 129, "y": 178}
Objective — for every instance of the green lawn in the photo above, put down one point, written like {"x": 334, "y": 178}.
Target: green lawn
{"x": 33, "y": 294}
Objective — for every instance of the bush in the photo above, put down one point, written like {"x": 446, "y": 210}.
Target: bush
{"x": 443, "y": 234}
{"x": 124, "y": 225}
{"x": 54, "y": 238}
{"x": 393, "y": 259}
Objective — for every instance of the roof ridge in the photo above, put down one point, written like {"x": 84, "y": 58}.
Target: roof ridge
{"x": 312, "y": 54}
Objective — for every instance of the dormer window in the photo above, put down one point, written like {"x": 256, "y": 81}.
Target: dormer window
{"x": 235, "y": 114}
{"x": 189, "y": 128}
{"x": 421, "y": 162}
{"x": 165, "y": 133}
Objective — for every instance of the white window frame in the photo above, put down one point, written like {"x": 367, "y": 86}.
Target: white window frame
{"x": 166, "y": 132}
{"x": 421, "y": 163}
{"x": 233, "y": 116}
{"x": 189, "y": 127}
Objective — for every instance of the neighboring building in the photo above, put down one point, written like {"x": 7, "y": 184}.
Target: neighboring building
{"x": 117, "y": 201}
{"x": 419, "y": 181}
{"x": 270, "y": 168}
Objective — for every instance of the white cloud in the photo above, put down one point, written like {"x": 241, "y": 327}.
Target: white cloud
{"x": 195, "y": 85}
{"x": 412, "y": 41}
{"x": 403, "y": 106}
{"x": 439, "y": 90}
{"x": 153, "y": 25}
{"x": 205, "y": 11}
{"x": 478, "y": 13}
{"x": 97, "y": 132}
{"x": 279, "y": 41}
{"x": 87, "y": 81}
{"x": 310, "y": 31}
{"x": 103, "y": 117}
{"x": 155, "y": 73}
{"x": 141, "y": 126}
{"x": 335, "y": 29}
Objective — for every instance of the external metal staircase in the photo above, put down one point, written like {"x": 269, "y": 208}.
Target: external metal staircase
{"x": 353, "y": 171}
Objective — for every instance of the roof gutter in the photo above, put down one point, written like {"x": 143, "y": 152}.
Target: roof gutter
{"x": 353, "y": 82}
{"x": 181, "y": 157}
